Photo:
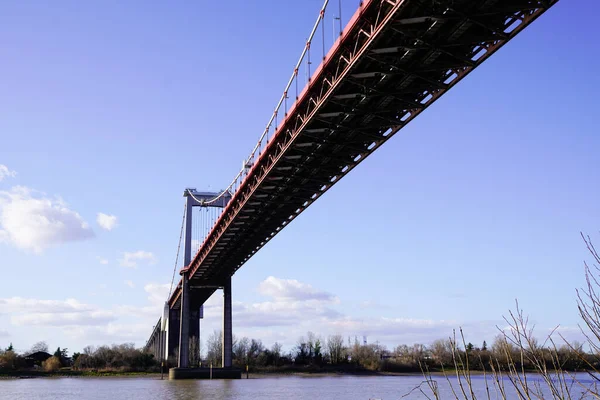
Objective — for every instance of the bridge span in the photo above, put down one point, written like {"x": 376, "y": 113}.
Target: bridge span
{"x": 391, "y": 61}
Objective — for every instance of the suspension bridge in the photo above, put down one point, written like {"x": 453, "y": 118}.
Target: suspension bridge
{"x": 391, "y": 61}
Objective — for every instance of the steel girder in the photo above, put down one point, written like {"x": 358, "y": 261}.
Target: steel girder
{"x": 394, "y": 60}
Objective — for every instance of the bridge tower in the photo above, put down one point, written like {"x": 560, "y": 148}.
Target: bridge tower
{"x": 189, "y": 316}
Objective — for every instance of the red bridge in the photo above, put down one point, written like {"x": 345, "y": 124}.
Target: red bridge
{"x": 391, "y": 61}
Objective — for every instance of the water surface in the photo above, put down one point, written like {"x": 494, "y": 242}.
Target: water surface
{"x": 288, "y": 388}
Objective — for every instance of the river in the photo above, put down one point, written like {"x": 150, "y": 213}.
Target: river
{"x": 288, "y": 388}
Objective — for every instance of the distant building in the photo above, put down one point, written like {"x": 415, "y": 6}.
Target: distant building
{"x": 36, "y": 358}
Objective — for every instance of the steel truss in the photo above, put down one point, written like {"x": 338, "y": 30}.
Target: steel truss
{"x": 394, "y": 59}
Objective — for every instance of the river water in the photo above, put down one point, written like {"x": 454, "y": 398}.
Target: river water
{"x": 288, "y": 388}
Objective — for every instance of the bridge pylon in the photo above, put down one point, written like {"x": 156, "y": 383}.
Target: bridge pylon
{"x": 189, "y": 319}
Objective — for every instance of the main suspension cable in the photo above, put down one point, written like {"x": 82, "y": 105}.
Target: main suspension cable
{"x": 178, "y": 250}
{"x": 206, "y": 202}
{"x": 255, "y": 154}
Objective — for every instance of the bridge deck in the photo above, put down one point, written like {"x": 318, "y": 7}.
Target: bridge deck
{"x": 393, "y": 61}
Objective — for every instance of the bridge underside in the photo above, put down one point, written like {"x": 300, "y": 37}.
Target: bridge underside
{"x": 393, "y": 61}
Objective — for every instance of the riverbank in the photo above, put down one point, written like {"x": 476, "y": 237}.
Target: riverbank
{"x": 271, "y": 373}
{"x": 328, "y": 374}
{"x": 251, "y": 375}
{"x": 76, "y": 374}
{"x": 284, "y": 370}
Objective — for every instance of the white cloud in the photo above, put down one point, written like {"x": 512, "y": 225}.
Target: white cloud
{"x": 292, "y": 304}
{"x": 79, "y": 320}
{"x": 157, "y": 293}
{"x": 6, "y": 173}
{"x": 291, "y": 289}
{"x": 4, "y": 334}
{"x": 292, "y": 309}
{"x": 131, "y": 259}
{"x": 152, "y": 312}
{"x": 110, "y": 332}
{"x": 85, "y": 322}
{"x": 106, "y": 221}
{"x": 101, "y": 260}
{"x": 25, "y": 305}
{"x": 34, "y": 312}
{"x": 96, "y": 317}
{"x": 31, "y": 221}
{"x": 130, "y": 284}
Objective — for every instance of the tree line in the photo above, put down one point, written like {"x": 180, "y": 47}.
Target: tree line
{"x": 118, "y": 357}
{"x": 317, "y": 351}
{"x": 313, "y": 352}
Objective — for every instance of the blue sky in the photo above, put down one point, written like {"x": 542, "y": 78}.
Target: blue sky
{"x": 114, "y": 108}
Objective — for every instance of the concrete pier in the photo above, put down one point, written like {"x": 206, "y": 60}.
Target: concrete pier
{"x": 205, "y": 373}
{"x": 226, "y": 359}
{"x": 184, "y": 331}
{"x": 173, "y": 336}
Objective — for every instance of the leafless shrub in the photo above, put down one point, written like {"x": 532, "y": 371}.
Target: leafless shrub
{"x": 517, "y": 354}
{"x": 52, "y": 364}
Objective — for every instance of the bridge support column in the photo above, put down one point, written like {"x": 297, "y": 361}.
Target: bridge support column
{"x": 164, "y": 331}
{"x": 159, "y": 357}
{"x": 165, "y": 349}
{"x": 173, "y": 336}
{"x": 194, "y": 337}
{"x": 227, "y": 328}
{"x": 184, "y": 321}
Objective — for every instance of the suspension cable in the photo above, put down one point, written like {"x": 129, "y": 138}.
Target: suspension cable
{"x": 249, "y": 162}
{"x": 210, "y": 201}
{"x": 178, "y": 250}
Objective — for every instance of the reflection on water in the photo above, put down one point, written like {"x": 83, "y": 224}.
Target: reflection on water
{"x": 288, "y": 388}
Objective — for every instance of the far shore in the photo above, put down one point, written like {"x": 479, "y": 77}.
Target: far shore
{"x": 251, "y": 375}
